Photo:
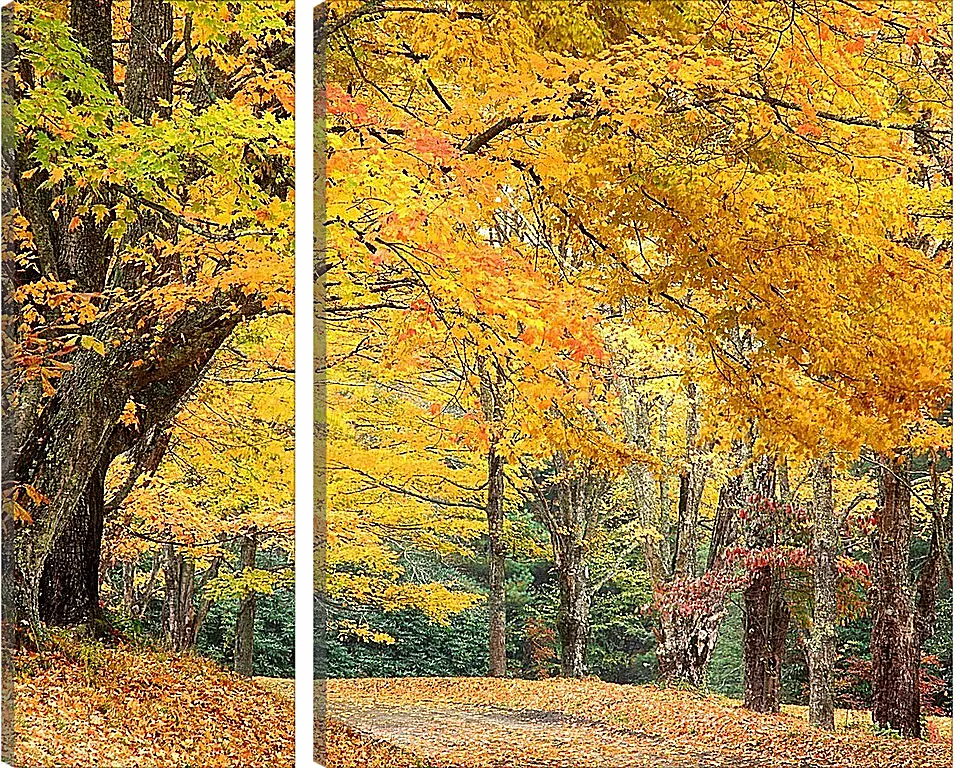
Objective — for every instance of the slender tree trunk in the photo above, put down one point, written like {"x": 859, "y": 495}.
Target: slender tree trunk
{"x": 894, "y": 639}
{"x": 129, "y": 570}
{"x": 497, "y": 565}
{"x": 724, "y": 528}
{"x": 822, "y": 646}
{"x": 243, "y": 638}
{"x": 182, "y": 613}
{"x": 637, "y": 425}
{"x": 141, "y": 597}
{"x": 692, "y": 478}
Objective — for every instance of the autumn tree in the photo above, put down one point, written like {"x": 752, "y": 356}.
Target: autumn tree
{"x": 902, "y": 602}
{"x": 770, "y": 179}
{"x": 150, "y": 206}
{"x": 671, "y": 483}
{"x": 484, "y": 315}
{"x": 191, "y": 528}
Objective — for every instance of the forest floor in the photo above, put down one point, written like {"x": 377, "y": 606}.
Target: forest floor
{"x": 485, "y": 723}
{"x": 81, "y": 704}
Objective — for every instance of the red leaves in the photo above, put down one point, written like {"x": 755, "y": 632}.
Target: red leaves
{"x": 705, "y": 594}
{"x": 434, "y": 145}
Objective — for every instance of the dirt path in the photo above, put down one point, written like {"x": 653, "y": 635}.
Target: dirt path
{"x": 460, "y": 723}
{"x": 489, "y": 737}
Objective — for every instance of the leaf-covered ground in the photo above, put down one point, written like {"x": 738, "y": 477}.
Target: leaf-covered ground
{"x": 478, "y": 722}
{"x": 87, "y": 705}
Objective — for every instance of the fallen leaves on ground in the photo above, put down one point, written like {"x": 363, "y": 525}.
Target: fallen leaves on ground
{"x": 87, "y": 705}
{"x": 939, "y": 729}
{"x": 348, "y": 748}
{"x": 481, "y": 722}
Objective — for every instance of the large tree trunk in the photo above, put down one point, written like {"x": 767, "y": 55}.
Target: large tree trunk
{"x": 687, "y": 636}
{"x": 894, "y": 639}
{"x": 59, "y": 445}
{"x": 70, "y": 582}
{"x": 822, "y": 645}
{"x": 573, "y": 618}
{"x": 686, "y": 641}
{"x": 78, "y": 253}
{"x": 243, "y": 637}
{"x": 63, "y": 449}
{"x": 148, "y": 87}
{"x": 766, "y": 620}
{"x": 497, "y": 565}
{"x": 68, "y": 592}
{"x": 766, "y": 616}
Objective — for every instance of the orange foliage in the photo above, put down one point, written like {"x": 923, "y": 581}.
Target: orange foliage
{"x": 81, "y": 705}
{"x": 458, "y": 723}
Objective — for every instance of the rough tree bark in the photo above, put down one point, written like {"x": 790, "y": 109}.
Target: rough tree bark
{"x": 183, "y": 614}
{"x": 568, "y": 505}
{"x": 822, "y": 645}
{"x": 243, "y": 637}
{"x": 688, "y": 637}
{"x": 68, "y": 593}
{"x": 148, "y": 87}
{"x": 70, "y": 581}
{"x": 686, "y": 642}
{"x": 894, "y": 638}
{"x": 178, "y": 609}
{"x": 765, "y": 637}
{"x": 62, "y": 446}
{"x": 573, "y": 617}
{"x": 766, "y": 616}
